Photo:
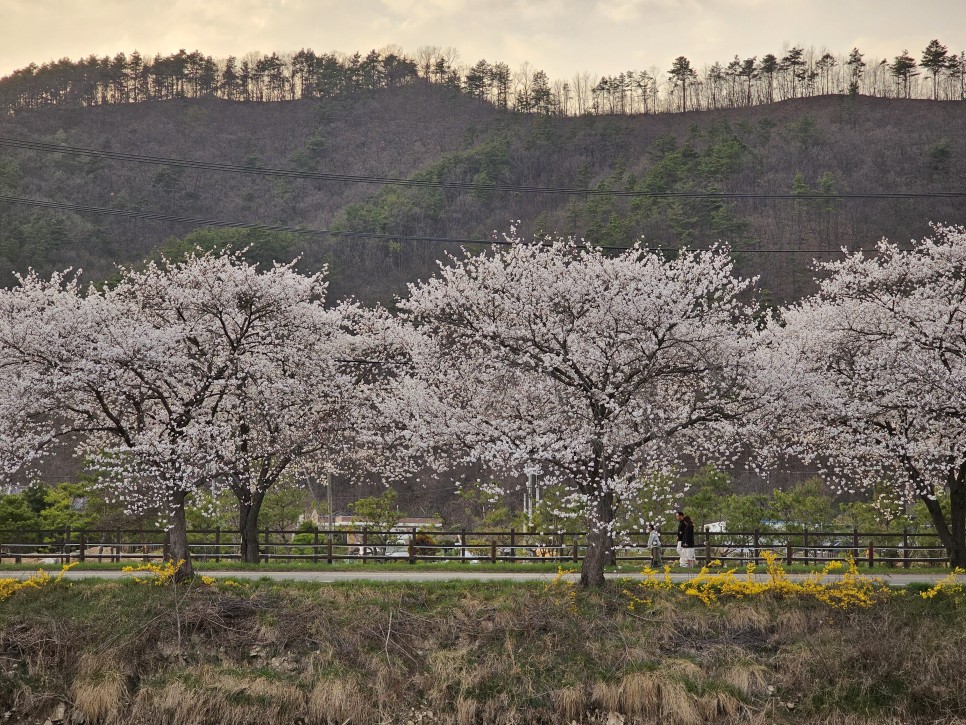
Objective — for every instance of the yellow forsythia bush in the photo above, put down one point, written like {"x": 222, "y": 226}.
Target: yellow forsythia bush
{"x": 950, "y": 585}
{"x": 851, "y": 590}
{"x": 162, "y": 573}
{"x": 10, "y": 586}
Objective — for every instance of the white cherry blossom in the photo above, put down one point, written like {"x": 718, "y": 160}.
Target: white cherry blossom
{"x": 599, "y": 371}
{"x": 868, "y": 377}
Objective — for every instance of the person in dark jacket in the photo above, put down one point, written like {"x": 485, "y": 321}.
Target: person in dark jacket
{"x": 686, "y": 540}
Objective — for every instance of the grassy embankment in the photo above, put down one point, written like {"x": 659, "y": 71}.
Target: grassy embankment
{"x": 263, "y": 652}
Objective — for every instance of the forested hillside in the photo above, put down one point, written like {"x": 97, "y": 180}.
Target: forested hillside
{"x": 425, "y": 132}
{"x": 796, "y": 72}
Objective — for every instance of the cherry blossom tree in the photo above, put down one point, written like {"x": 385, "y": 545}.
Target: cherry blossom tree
{"x": 43, "y": 327}
{"x": 207, "y": 373}
{"x": 868, "y": 377}
{"x": 597, "y": 371}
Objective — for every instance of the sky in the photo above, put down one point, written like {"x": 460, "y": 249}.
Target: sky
{"x": 562, "y": 37}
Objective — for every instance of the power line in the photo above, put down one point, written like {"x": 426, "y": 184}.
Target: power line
{"x": 463, "y": 186}
{"x": 202, "y": 222}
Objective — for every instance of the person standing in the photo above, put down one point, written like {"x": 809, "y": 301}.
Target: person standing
{"x": 679, "y": 515}
{"x": 688, "y": 558}
{"x": 654, "y": 544}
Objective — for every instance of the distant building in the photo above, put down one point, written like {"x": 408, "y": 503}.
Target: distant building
{"x": 344, "y": 521}
{"x": 404, "y": 525}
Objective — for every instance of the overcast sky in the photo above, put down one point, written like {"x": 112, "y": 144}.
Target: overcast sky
{"x": 562, "y": 37}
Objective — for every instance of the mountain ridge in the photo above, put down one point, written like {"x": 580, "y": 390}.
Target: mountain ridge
{"x": 821, "y": 144}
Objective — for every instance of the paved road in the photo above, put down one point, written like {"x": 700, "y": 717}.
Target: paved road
{"x": 426, "y": 576}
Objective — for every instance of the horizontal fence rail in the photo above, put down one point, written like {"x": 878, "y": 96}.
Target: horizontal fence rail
{"x": 323, "y": 546}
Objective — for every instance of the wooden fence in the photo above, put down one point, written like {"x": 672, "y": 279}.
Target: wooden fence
{"x": 903, "y": 549}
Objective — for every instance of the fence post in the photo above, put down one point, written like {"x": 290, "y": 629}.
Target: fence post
{"x": 756, "y": 545}
{"x": 81, "y": 552}
{"x": 218, "y": 543}
{"x": 411, "y": 550}
{"x": 365, "y": 542}
{"x": 788, "y": 552}
{"x": 905, "y": 547}
{"x": 315, "y": 544}
{"x": 871, "y": 554}
{"x": 855, "y": 543}
{"x": 493, "y": 551}
{"x": 117, "y": 546}
{"x": 463, "y": 543}
{"x": 576, "y": 552}
{"x": 707, "y": 548}
{"x": 560, "y": 548}
{"x": 805, "y": 542}
{"x": 328, "y": 549}
{"x": 144, "y": 545}
{"x": 268, "y": 536}
{"x": 165, "y": 547}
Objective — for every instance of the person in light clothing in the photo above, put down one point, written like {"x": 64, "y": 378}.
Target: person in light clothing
{"x": 654, "y": 544}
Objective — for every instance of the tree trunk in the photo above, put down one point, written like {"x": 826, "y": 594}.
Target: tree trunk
{"x": 600, "y": 543}
{"x": 179, "y": 551}
{"x": 248, "y": 526}
{"x": 957, "y": 516}
{"x": 952, "y": 533}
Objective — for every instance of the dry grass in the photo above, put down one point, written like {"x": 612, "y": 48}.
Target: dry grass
{"x": 466, "y": 709}
{"x": 470, "y": 655}
{"x": 336, "y": 701}
{"x": 792, "y": 624}
{"x": 651, "y": 695}
{"x": 719, "y": 706}
{"x": 569, "y": 703}
{"x": 100, "y": 689}
{"x": 210, "y": 696}
{"x": 606, "y": 696}
{"x": 749, "y": 679}
{"x": 642, "y": 693}
{"x": 678, "y": 705}
{"x": 684, "y": 669}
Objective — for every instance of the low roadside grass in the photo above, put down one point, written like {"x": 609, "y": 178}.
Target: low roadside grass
{"x": 263, "y": 651}
{"x": 402, "y": 565}
{"x": 349, "y": 566}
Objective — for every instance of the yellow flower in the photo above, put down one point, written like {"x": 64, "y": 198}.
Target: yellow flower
{"x": 851, "y": 590}
{"x": 162, "y": 573}
{"x": 10, "y": 586}
{"x": 950, "y": 585}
